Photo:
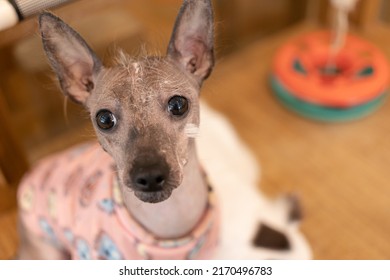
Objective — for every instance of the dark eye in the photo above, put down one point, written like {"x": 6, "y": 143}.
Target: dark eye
{"x": 178, "y": 105}
{"x": 105, "y": 119}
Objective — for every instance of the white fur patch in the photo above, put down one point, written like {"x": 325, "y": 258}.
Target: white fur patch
{"x": 234, "y": 175}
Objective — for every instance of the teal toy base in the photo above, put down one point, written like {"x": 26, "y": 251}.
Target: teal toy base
{"x": 323, "y": 113}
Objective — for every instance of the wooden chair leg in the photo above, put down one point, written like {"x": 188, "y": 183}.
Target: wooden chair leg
{"x": 13, "y": 161}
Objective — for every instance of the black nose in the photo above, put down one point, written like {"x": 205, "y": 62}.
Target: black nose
{"x": 150, "y": 178}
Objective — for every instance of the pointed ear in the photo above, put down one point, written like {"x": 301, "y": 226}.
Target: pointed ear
{"x": 192, "y": 40}
{"x": 75, "y": 64}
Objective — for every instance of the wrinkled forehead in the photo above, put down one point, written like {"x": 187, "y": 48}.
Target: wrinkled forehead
{"x": 144, "y": 80}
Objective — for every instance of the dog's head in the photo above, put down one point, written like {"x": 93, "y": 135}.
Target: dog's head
{"x": 145, "y": 111}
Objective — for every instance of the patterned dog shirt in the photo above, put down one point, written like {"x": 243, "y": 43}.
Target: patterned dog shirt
{"x": 73, "y": 199}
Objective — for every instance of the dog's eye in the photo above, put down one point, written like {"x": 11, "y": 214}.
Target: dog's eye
{"x": 105, "y": 119}
{"x": 178, "y": 105}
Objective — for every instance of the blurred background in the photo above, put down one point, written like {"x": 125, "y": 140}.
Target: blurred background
{"x": 339, "y": 171}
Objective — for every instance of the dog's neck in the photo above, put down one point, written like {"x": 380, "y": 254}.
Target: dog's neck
{"x": 180, "y": 213}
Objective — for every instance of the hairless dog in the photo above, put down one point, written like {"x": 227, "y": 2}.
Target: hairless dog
{"x": 142, "y": 193}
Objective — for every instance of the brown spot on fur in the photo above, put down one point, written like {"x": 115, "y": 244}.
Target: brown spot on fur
{"x": 270, "y": 238}
{"x": 295, "y": 213}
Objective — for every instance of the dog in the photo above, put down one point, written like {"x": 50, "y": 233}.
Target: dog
{"x": 142, "y": 192}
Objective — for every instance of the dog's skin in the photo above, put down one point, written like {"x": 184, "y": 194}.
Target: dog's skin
{"x": 145, "y": 112}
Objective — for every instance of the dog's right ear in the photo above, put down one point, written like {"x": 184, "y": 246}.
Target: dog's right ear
{"x": 75, "y": 64}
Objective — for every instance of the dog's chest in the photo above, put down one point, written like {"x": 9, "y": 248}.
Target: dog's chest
{"x": 74, "y": 200}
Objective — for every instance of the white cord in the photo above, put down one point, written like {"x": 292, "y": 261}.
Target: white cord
{"x": 343, "y": 8}
{"x": 340, "y": 29}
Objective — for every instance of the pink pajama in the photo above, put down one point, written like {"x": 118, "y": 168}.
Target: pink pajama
{"x": 73, "y": 199}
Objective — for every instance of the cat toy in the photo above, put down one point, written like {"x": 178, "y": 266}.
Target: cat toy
{"x": 331, "y": 76}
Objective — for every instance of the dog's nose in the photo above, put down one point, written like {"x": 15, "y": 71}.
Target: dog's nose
{"x": 150, "y": 178}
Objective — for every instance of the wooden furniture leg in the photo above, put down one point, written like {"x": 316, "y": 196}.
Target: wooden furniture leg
{"x": 13, "y": 162}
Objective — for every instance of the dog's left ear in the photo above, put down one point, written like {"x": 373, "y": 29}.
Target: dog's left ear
{"x": 192, "y": 40}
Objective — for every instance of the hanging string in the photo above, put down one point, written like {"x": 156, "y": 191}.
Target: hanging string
{"x": 343, "y": 8}
{"x": 340, "y": 28}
